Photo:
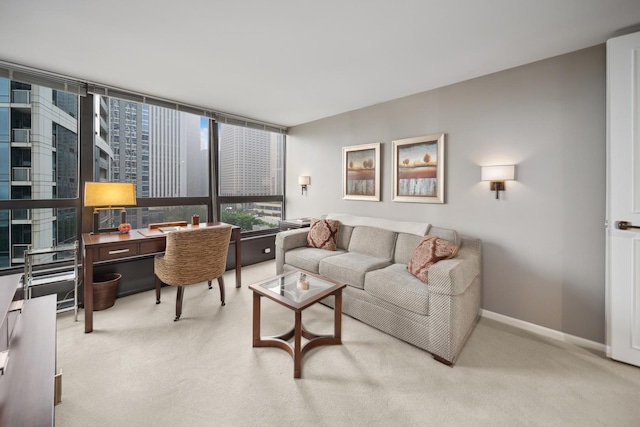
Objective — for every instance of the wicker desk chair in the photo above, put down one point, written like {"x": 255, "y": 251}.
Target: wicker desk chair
{"x": 192, "y": 256}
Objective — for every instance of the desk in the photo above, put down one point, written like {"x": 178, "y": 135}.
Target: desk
{"x": 137, "y": 244}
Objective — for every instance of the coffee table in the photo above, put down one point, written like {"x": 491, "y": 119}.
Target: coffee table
{"x": 284, "y": 290}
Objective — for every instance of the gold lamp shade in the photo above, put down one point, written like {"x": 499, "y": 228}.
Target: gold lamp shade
{"x": 103, "y": 194}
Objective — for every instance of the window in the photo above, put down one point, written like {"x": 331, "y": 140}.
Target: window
{"x": 38, "y": 169}
{"x": 146, "y": 216}
{"x": 5, "y": 147}
{"x": 4, "y": 90}
{"x": 52, "y": 144}
{"x": 164, "y": 152}
{"x": 250, "y": 171}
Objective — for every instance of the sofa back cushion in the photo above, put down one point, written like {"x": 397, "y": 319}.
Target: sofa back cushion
{"x": 373, "y": 241}
{"x": 405, "y": 245}
{"x": 344, "y": 236}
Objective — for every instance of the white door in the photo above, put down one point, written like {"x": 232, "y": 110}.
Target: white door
{"x": 623, "y": 198}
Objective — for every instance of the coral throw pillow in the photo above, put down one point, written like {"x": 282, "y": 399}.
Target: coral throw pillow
{"x": 323, "y": 234}
{"x": 430, "y": 250}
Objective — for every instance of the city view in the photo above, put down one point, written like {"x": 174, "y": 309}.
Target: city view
{"x": 164, "y": 152}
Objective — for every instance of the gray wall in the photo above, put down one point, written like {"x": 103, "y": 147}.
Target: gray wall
{"x": 543, "y": 240}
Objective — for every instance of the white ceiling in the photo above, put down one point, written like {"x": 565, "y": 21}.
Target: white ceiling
{"x": 289, "y": 62}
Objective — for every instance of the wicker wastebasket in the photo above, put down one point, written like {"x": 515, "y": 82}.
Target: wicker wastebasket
{"x": 105, "y": 289}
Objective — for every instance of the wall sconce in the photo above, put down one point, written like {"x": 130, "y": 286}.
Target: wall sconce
{"x": 109, "y": 196}
{"x": 303, "y": 181}
{"x": 498, "y": 175}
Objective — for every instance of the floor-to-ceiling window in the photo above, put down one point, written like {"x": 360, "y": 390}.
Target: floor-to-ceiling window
{"x": 164, "y": 152}
{"x": 57, "y": 133}
{"x": 250, "y": 177}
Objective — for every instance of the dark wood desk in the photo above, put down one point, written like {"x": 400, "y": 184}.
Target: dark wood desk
{"x": 138, "y": 243}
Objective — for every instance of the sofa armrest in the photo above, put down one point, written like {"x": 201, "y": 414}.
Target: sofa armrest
{"x": 292, "y": 239}
{"x": 287, "y": 240}
{"x": 454, "y": 276}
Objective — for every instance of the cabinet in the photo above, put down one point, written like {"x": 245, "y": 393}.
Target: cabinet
{"x": 58, "y": 272}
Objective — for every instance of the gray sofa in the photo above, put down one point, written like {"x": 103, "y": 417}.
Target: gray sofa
{"x": 371, "y": 259}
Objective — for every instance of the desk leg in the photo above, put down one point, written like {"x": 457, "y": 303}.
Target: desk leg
{"x": 238, "y": 241}
{"x": 88, "y": 291}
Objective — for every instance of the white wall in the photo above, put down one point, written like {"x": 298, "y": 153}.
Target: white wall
{"x": 543, "y": 241}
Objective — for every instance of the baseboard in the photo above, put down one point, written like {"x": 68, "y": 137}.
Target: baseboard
{"x": 546, "y": 332}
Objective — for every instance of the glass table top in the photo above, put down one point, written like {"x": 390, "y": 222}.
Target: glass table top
{"x": 297, "y": 287}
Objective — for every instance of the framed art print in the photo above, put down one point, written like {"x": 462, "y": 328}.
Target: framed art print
{"x": 361, "y": 172}
{"x": 418, "y": 169}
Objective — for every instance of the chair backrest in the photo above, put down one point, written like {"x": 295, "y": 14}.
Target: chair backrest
{"x": 198, "y": 254}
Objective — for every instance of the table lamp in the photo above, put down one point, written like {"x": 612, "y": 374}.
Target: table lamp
{"x": 109, "y": 196}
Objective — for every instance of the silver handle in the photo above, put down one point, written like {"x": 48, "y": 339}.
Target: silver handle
{"x": 119, "y": 251}
{"x": 625, "y": 225}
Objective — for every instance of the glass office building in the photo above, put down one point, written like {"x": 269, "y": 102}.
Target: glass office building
{"x": 38, "y": 160}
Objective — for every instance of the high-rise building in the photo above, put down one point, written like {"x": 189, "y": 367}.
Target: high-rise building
{"x": 178, "y": 161}
{"x": 156, "y": 148}
{"x": 38, "y": 160}
{"x": 243, "y": 169}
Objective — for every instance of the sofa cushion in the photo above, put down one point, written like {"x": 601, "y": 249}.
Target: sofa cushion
{"x": 323, "y": 234}
{"x": 308, "y": 258}
{"x": 344, "y": 236}
{"x": 429, "y": 251}
{"x": 350, "y": 267}
{"x": 405, "y": 245}
{"x": 373, "y": 241}
{"x": 397, "y": 286}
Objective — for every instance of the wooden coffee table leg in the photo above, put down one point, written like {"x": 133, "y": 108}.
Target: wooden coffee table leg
{"x": 337, "y": 313}
{"x": 297, "y": 350}
{"x": 256, "y": 319}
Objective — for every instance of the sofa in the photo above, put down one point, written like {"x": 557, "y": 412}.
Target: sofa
{"x": 371, "y": 258}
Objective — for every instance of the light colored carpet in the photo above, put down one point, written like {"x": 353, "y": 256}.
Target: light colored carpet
{"x": 139, "y": 368}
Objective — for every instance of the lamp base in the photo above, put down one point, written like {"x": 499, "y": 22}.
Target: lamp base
{"x": 96, "y": 221}
{"x": 497, "y": 186}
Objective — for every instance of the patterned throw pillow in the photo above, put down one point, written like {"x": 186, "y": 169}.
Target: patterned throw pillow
{"x": 430, "y": 250}
{"x": 323, "y": 234}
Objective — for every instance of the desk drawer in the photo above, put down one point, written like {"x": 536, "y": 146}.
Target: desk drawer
{"x": 152, "y": 247}
{"x": 118, "y": 251}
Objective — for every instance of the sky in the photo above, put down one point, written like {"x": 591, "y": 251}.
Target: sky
{"x": 204, "y": 133}
{"x": 416, "y": 152}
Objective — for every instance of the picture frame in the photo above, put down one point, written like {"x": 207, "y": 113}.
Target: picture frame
{"x": 418, "y": 169}
{"x": 361, "y": 172}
